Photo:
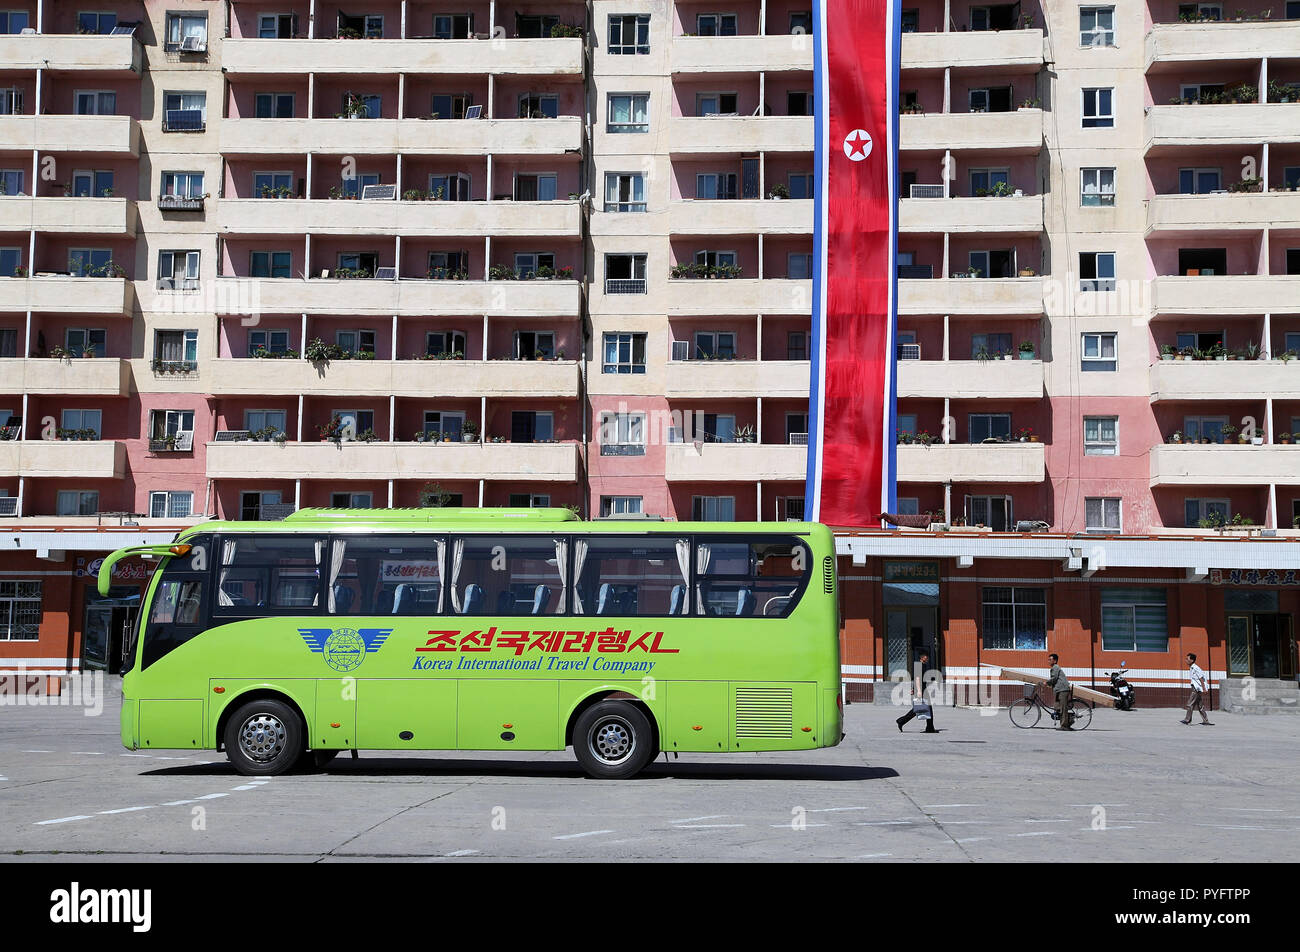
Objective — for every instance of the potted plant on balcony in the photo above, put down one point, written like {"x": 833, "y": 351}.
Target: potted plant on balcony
{"x": 744, "y": 434}
{"x": 469, "y": 432}
{"x": 1214, "y": 520}
{"x": 925, "y": 438}
{"x": 1187, "y": 353}
{"x": 332, "y": 431}
{"x": 1216, "y": 352}
{"x": 1026, "y": 349}
{"x": 432, "y": 496}
{"x": 1176, "y": 436}
{"x": 1167, "y": 352}
{"x": 1284, "y": 438}
{"x": 1031, "y": 104}
{"x": 1228, "y": 432}
{"x": 779, "y": 191}
{"x": 502, "y": 272}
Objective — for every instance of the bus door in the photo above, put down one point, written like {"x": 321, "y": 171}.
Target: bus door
{"x": 106, "y": 632}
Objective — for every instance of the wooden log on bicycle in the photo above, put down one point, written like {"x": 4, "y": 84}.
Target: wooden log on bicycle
{"x": 1084, "y": 694}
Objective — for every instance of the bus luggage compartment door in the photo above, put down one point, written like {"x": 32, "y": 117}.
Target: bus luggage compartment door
{"x": 423, "y": 708}
{"x": 336, "y": 714}
{"x": 501, "y": 714}
{"x": 171, "y": 724}
{"x": 697, "y": 716}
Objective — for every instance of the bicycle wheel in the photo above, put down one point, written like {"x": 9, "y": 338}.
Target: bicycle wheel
{"x": 1025, "y": 713}
{"x": 1081, "y": 714}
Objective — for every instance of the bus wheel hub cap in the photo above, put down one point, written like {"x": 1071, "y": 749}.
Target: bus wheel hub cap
{"x": 612, "y": 740}
{"x": 262, "y": 737}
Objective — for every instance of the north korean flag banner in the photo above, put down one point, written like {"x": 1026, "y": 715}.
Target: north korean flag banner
{"x": 851, "y": 420}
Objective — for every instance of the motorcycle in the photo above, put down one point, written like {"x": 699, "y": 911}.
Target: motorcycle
{"x": 1125, "y": 699}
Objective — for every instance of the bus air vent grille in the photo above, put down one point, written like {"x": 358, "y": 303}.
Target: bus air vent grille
{"x": 828, "y": 575}
{"x": 764, "y": 712}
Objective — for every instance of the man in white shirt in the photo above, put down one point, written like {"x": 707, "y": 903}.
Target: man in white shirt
{"x": 1199, "y": 684}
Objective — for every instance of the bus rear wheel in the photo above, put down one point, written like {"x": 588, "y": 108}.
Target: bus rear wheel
{"x": 613, "y": 740}
{"x": 264, "y": 738}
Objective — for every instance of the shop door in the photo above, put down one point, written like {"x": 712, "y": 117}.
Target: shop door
{"x": 908, "y": 631}
{"x": 1264, "y": 646}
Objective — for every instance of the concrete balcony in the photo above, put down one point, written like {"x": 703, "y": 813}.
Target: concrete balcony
{"x": 1009, "y": 214}
{"x": 112, "y": 134}
{"x": 740, "y": 54}
{"x": 1197, "y": 464}
{"x": 413, "y": 298}
{"x": 1226, "y": 294}
{"x": 542, "y": 462}
{"x": 76, "y": 376}
{"x": 71, "y": 52}
{"x": 1218, "y": 379}
{"x": 1003, "y": 296}
{"x": 1239, "y": 210}
{"x": 533, "y": 57}
{"x": 111, "y": 297}
{"x": 739, "y": 296}
{"x": 965, "y": 379}
{"x": 256, "y": 216}
{"x": 402, "y": 378}
{"x": 1020, "y": 131}
{"x": 740, "y": 217}
{"x": 734, "y": 462}
{"x": 407, "y": 136}
{"x": 1170, "y": 127}
{"x": 737, "y": 378}
{"x": 1006, "y": 48}
{"x": 85, "y": 216}
{"x": 84, "y": 459}
{"x": 696, "y": 135}
{"x": 1171, "y": 44}
{"x": 972, "y": 463}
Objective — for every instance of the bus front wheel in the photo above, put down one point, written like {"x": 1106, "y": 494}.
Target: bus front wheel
{"x": 264, "y": 738}
{"x": 613, "y": 740}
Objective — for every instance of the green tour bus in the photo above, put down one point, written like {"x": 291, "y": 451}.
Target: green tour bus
{"x": 484, "y": 629}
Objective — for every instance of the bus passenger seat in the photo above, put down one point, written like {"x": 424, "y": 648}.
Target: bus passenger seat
{"x": 506, "y": 603}
{"x": 541, "y": 597}
{"x": 604, "y": 599}
{"x": 405, "y": 599}
{"x": 342, "y": 599}
{"x": 473, "y": 599}
{"x": 677, "y": 600}
{"x": 745, "y": 602}
{"x": 384, "y": 604}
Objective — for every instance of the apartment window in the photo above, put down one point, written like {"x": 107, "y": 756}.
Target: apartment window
{"x": 791, "y": 508}
{"x": 625, "y": 274}
{"x": 20, "y": 610}
{"x": 534, "y": 26}
{"x": 624, "y": 353}
{"x": 1291, "y": 342}
{"x": 251, "y": 503}
{"x": 452, "y": 187}
{"x": 540, "y": 187}
{"x": 1199, "y": 181}
{"x": 1291, "y": 173}
{"x": 82, "y": 340}
{"x": 370, "y": 26}
{"x": 908, "y": 506}
{"x": 356, "y": 422}
{"x": 801, "y": 22}
{"x": 92, "y": 183}
{"x": 798, "y": 266}
{"x": 1199, "y": 340}
{"x": 539, "y": 106}
{"x": 11, "y": 181}
{"x": 713, "y": 508}
{"x": 1000, "y": 17}
{"x": 8, "y": 348}
{"x": 800, "y": 185}
{"x": 989, "y": 426}
{"x": 1098, "y": 111}
{"x": 1100, "y": 436}
{"x": 534, "y": 345}
{"x": 11, "y": 102}
{"x": 90, "y": 262}
{"x": 1210, "y": 511}
{"x": 271, "y": 184}
{"x": 447, "y": 422}
{"x": 1097, "y": 187}
{"x": 622, "y": 434}
{"x": 176, "y": 346}
{"x": 992, "y": 99}
{"x": 444, "y": 343}
{"x": 796, "y": 428}
{"x": 364, "y": 262}
{"x": 453, "y": 26}
{"x": 1097, "y": 271}
{"x": 1099, "y": 352}
{"x": 998, "y": 263}
{"x": 1206, "y": 11}
{"x": 83, "y": 420}
{"x": 165, "y": 504}
{"x": 1102, "y": 513}
{"x": 270, "y": 264}
{"x": 96, "y": 103}
{"x": 527, "y": 263}
{"x": 620, "y": 505}
{"x": 715, "y": 24}
{"x": 906, "y": 423}
{"x": 184, "y": 111}
{"x": 796, "y": 345}
{"x": 11, "y": 259}
{"x": 72, "y": 502}
{"x": 628, "y": 113}
{"x": 453, "y": 265}
{"x": 715, "y": 104}
{"x": 531, "y": 426}
{"x": 187, "y": 32}
{"x": 985, "y": 346}
{"x": 716, "y": 259}
{"x": 1015, "y": 619}
{"x": 983, "y": 181}
{"x": 260, "y": 419}
{"x": 182, "y": 184}
{"x": 363, "y": 105}
{"x": 718, "y": 345}
{"x": 716, "y": 185}
{"x": 100, "y": 24}
{"x": 798, "y": 103}
{"x": 356, "y": 341}
{"x": 624, "y": 192}
{"x": 1198, "y": 92}
{"x": 273, "y": 26}
{"x": 178, "y": 270}
{"x": 165, "y": 423}
{"x": 273, "y": 106}
{"x": 1096, "y": 26}
{"x": 13, "y": 21}
{"x": 451, "y": 105}
{"x": 629, "y": 34}
{"x": 529, "y": 500}
{"x": 991, "y": 511}
{"x": 1200, "y": 427}
{"x": 1134, "y": 619}
{"x": 911, "y": 21}
{"x": 352, "y": 500}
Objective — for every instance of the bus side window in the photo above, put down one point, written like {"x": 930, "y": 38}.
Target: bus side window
{"x": 507, "y": 575}
{"x": 631, "y": 576}
{"x": 260, "y": 575}
{"x": 384, "y": 575}
{"x": 747, "y": 579}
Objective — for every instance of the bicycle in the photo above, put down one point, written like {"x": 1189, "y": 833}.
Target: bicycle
{"x": 1028, "y": 711}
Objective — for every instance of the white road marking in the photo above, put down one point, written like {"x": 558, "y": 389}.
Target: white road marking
{"x": 145, "y": 756}
{"x": 693, "y": 819}
{"x": 1089, "y": 829}
{"x": 462, "y": 853}
{"x": 1252, "y": 810}
{"x": 247, "y": 786}
{"x": 257, "y": 783}
{"x": 1037, "y": 833}
{"x": 841, "y": 810}
{"x": 1047, "y": 821}
{"x": 574, "y": 836}
{"x": 787, "y": 826}
{"x": 707, "y": 826}
{"x": 62, "y": 819}
{"x": 178, "y": 803}
{"x": 36, "y": 752}
{"x": 884, "y": 823}
{"x": 943, "y": 806}
{"x": 873, "y": 855}
{"x": 90, "y": 753}
{"x": 1219, "y": 826}
{"x": 972, "y": 839}
{"x": 123, "y": 810}
{"x": 212, "y": 796}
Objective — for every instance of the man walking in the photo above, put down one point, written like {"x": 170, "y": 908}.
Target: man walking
{"x": 1199, "y": 684}
{"x": 1058, "y": 682}
{"x": 924, "y": 672}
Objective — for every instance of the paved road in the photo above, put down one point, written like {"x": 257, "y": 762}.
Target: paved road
{"x": 979, "y": 790}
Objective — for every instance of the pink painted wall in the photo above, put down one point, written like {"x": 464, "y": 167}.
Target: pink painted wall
{"x": 567, "y": 416}
{"x": 776, "y": 332}
{"x": 421, "y": 88}
{"x": 326, "y": 249}
{"x": 779, "y": 166}
{"x": 330, "y": 93}
{"x": 52, "y": 251}
{"x": 743, "y": 328}
{"x": 928, "y": 88}
{"x": 412, "y": 334}
{"x": 564, "y": 168}
{"x": 226, "y": 493}
{"x": 237, "y": 257}
{"x": 419, "y": 15}
{"x": 59, "y": 95}
{"x": 53, "y": 328}
{"x": 926, "y": 249}
{"x": 501, "y": 336}
{"x": 1162, "y": 87}
{"x": 232, "y": 336}
{"x": 1166, "y": 11}
{"x": 682, "y": 250}
{"x": 776, "y": 251}
{"x": 231, "y": 411}
{"x": 126, "y": 174}
{"x": 1252, "y": 501}
{"x": 240, "y": 172}
{"x": 778, "y": 15}
{"x": 1162, "y": 172}
{"x": 416, "y": 172}
{"x": 1028, "y": 253}
{"x": 327, "y": 172}
{"x": 961, "y": 14}
{"x": 415, "y": 255}
{"x": 1243, "y": 252}
{"x": 510, "y": 88}
{"x": 243, "y": 18}
{"x": 241, "y": 102}
{"x": 1237, "y": 331}
{"x": 744, "y": 86}
{"x": 685, "y": 17}
{"x": 776, "y": 426}
{"x": 685, "y": 170}
{"x": 567, "y": 253}
{"x": 1022, "y": 87}
{"x": 1022, "y": 171}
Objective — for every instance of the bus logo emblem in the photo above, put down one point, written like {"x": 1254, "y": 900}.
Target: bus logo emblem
{"x": 344, "y": 648}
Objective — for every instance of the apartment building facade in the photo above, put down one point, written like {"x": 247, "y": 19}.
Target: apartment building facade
{"x": 509, "y": 252}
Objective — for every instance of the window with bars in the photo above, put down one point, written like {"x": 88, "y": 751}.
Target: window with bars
{"x": 629, "y": 34}
{"x": 165, "y": 504}
{"x": 1015, "y": 619}
{"x": 20, "y": 610}
{"x": 1134, "y": 619}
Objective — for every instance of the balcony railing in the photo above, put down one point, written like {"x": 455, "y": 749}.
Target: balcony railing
{"x": 179, "y": 203}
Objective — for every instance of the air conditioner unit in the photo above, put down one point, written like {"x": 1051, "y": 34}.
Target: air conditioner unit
{"x": 681, "y": 350}
{"x": 797, "y": 439}
{"x": 909, "y": 351}
{"x": 925, "y": 191}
